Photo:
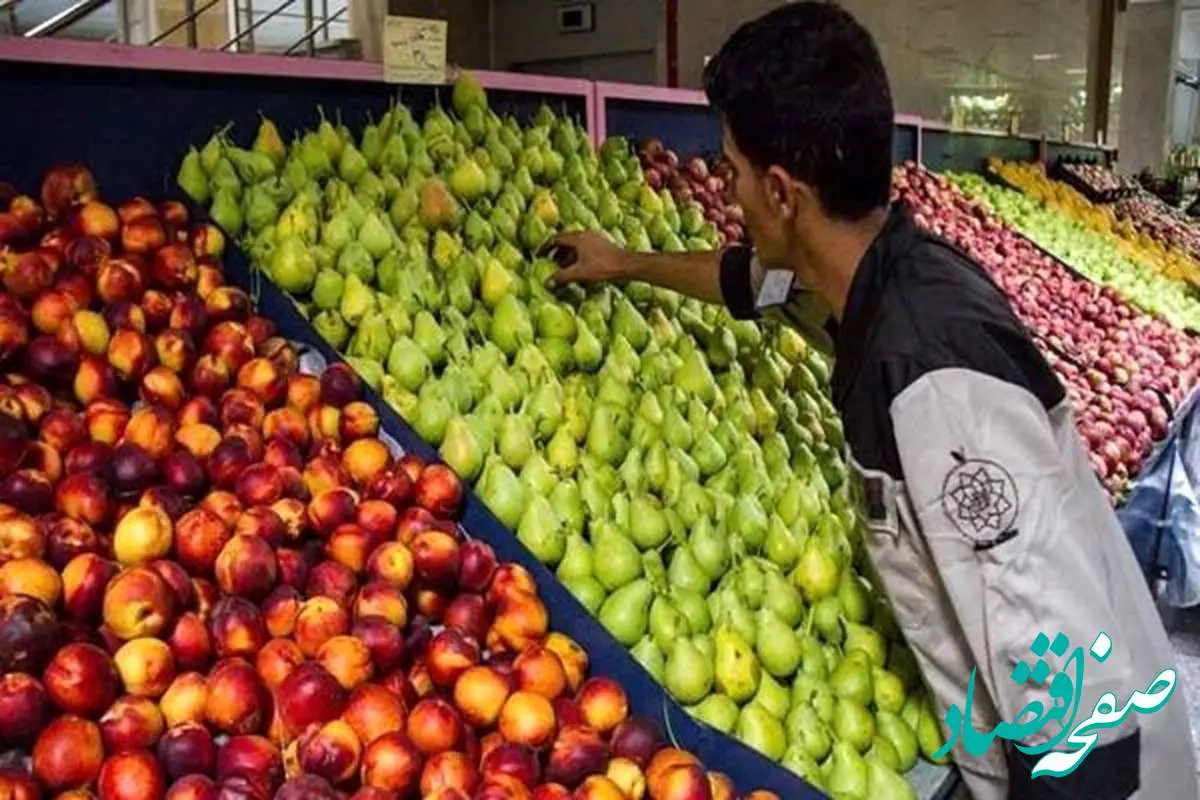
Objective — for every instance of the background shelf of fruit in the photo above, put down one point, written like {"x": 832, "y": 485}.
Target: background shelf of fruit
{"x": 679, "y": 470}
{"x": 1135, "y": 244}
{"x": 1097, "y": 256}
{"x": 1114, "y": 360}
{"x": 1153, "y": 219}
{"x": 218, "y": 581}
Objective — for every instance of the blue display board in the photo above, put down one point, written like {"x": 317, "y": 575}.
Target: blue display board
{"x": 687, "y": 129}
{"x": 905, "y": 143}
{"x": 962, "y": 151}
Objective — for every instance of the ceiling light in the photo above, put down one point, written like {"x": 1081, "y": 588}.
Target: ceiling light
{"x": 1047, "y": 56}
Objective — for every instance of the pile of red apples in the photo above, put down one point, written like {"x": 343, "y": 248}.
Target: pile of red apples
{"x": 218, "y": 583}
{"x": 1116, "y": 362}
{"x": 694, "y": 182}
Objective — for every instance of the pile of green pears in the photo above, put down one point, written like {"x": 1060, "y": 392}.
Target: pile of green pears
{"x": 680, "y": 470}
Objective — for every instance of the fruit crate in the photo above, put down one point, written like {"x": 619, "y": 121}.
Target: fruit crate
{"x": 746, "y": 768}
{"x": 1056, "y": 151}
{"x": 1059, "y": 172}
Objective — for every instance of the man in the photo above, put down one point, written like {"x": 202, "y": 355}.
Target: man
{"x": 986, "y": 524}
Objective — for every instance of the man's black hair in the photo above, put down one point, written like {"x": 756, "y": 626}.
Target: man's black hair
{"x": 803, "y": 87}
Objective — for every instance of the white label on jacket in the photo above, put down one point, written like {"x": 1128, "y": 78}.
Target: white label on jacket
{"x": 776, "y": 288}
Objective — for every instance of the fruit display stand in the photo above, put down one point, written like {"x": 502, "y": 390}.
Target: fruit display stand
{"x": 210, "y": 558}
{"x": 1085, "y": 253}
{"x": 748, "y": 769}
{"x": 132, "y": 137}
{"x": 133, "y": 110}
{"x": 1157, "y": 252}
{"x": 472, "y": 262}
{"x": 135, "y": 145}
{"x": 1124, "y": 370}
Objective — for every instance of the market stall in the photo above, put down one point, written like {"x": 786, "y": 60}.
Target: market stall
{"x": 661, "y": 483}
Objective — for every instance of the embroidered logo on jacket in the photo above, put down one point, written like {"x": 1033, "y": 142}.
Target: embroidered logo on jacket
{"x": 980, "y": 499}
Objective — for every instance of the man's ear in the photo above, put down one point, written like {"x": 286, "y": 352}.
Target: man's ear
{"x": 781, "y": 192}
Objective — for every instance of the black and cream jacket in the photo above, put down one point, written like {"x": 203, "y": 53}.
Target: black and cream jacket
{"x": 986, "y": 523}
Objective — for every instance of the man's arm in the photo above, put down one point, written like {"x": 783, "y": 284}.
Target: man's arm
{"x": 1023, "y": 541}
{"x": 597, "y": 260}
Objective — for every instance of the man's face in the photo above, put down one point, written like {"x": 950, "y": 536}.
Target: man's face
{"x": 768, "y": 228}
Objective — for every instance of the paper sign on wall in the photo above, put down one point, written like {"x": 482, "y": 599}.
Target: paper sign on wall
{"x": 414, "y": 50}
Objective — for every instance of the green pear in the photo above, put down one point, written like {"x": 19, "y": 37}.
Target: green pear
{"x": 503, "y": 493}
{"x": 853, "y": 723}
{"x": 777, "y": 645}
{"x": 772, "y": 696}
{"x": 646, "y": 653}
{"x": 817, "y": 574}
{"x": 468, "y": 181}
{"x": 688, "y": 675}
{"x": 902, "y": 738}
{"x": 847, "y": 775}
{"x": 737, "y": 668}
{"x": 868, "y": 641}
{"x": 578, "y": 559}
{"x": 541, "y": 531}
{"x": 852, "y": 678}
{"x": 761, "y": 731}
{"x": 625, "y": 614}
{"x": 621, "y": 563}
{"x": 807, "y": 730}
{"x": 930, "y": 736}
{"x": 884, "y": 784}
{"x": 888, "y": 689}
{"x": 461, "y": 450}
{"x": 590, "y": 594}
{"x": 717, "y": 711}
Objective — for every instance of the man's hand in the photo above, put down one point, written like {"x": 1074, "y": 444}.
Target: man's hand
{"x": 596, "y": 260}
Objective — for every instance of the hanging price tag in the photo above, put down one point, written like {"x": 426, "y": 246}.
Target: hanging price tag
{"x": 414, "y": 50}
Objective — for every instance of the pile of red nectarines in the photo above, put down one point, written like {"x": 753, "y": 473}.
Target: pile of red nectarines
{"x": 216, "y": 581}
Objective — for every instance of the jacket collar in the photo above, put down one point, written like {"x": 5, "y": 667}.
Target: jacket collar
{"x": 852, "y": 335}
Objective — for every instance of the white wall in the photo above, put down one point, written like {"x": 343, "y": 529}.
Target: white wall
{"x": 624, "y": 46}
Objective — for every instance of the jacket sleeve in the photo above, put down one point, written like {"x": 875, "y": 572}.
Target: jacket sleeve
{"x": 1024, "y": 541}
{"x": 742, "y": 276}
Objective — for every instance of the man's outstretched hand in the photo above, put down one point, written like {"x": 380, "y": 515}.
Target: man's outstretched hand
{"x": 595, "y": 259}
